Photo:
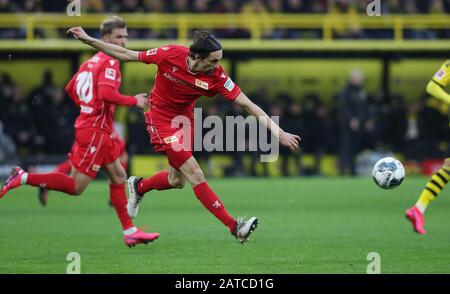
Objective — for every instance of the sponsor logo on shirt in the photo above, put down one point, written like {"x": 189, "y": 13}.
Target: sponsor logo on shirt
{"x": 171, "y": 139}
{"x": 165, "y": 48}
{"x": 174, "y": 79}
{"x": 222, "y": 75}
{"x": 229, "y": 84}
{"x": 174, "y": 69}
{"x": 201, "y": 84}
{"x": 152, "y": 51}
{"x": 93, "y": 149}
{"x": 110, "y": 73}
{"x": 440, "y": 74}
{"x": 112, "y": 62}
{"x": 86, "y": 109}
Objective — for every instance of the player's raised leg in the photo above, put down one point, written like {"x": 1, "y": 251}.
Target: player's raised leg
{"x": 65, "y": 168}
{"x": 131, "y": 234}
{"x": 432, "y": 189}
{"x": 241, "y": 229}
{"x": 51, "y": 181}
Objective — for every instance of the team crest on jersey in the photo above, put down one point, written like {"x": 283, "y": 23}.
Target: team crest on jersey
{"x": 440, "y": 74}
{"x": 229, "y": 84}
{"x": 93, "y": 149}
{"x": 152, "y": 51}
{"x": 112, "y": 62}
{"x": 174, "y": 69}
{"x": 110, "y": 73}
{"x": 201, "y": 84}
{"x": 222, "y": 75}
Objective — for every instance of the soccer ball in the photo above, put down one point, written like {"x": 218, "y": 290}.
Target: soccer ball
{"x": 388, "y": 173}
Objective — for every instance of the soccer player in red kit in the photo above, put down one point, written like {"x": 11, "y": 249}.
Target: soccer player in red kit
{"x": 66, "y": 166}
{"x": 95, "y": 89}
{"x": 184, "y": 75}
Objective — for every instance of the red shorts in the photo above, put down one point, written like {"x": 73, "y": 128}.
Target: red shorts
{"x": 120, "y": 143}
{"x": 92, "y": 149}
{"x": 175, "y": 141}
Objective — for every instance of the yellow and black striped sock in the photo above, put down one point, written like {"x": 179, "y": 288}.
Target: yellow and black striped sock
{"x": 433, "y": 188}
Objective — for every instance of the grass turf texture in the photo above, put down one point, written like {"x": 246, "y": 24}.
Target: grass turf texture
{"x": 308, "y": 225}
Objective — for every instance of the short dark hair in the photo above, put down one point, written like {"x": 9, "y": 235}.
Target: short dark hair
{"x": 204, "y": 43}
{"x": 111, "y": 23}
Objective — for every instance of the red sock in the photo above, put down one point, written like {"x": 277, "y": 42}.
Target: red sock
{"x": 158, "y": 181}
{"x": 211, "y": 202}
{"x": 64, "y": 167}
{"x": 119, "y": 201}
{"x": 53, "y": 181}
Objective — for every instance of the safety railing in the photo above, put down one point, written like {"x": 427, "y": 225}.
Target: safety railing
{"x": 256, "y": 24}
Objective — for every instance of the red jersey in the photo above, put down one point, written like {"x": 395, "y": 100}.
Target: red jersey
{"x": 177, "y": 88}
{"x": 95, "y": 113}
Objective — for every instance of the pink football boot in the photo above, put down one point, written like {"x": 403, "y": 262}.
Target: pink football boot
{"x": 417, "y": 220}
{"x": 139, "y": 237}
{"x": 13, "y": 181}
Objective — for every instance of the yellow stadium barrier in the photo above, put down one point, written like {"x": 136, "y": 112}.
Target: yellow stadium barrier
{"x": 256, "y": 24}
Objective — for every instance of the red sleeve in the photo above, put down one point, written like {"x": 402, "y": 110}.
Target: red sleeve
{"x": 111, "y": 95}
{"x": 226, "y": 87}
{"x": 71, "y": 91}
{"x": 155, "y": 55}
{"x": 110, "y": 74}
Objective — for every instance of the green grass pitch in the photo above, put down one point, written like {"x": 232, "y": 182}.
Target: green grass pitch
{"x": 308, "y": 225}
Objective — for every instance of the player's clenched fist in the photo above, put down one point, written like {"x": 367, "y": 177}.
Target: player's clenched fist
{"x": 142, "y": 100}
{"x": 78, "y": 33}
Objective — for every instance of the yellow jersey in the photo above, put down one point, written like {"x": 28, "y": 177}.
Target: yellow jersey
{"x": 442, "y": 77}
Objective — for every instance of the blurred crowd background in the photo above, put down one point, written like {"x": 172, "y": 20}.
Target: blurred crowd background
{"x": 253, "y": 8}
{"x": 38, "y": 122}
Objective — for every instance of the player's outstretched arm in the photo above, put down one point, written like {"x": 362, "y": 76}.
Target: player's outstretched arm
{"x": 437, "y": 91}
{"x": 286, "y": 139}
{"x": 118, "y": 52}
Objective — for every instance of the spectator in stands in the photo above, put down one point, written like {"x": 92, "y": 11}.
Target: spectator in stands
{"x": 7, "y": 147}
{"x": 413, "y": 144}
{"x": 394, "y": 7}
{"x": 200, "y": 6}
{"x": 6, "y": 94}
{"x": 350, "y": 29}
{"x": 397, "y": 122}
{"x": 54, "y": 5}
{"x": 179, "y": 6}
{"x": 294, "y": 121}
{"x": 20, "y": 122}
{"x": 61, "y": 115}
{"x": 351, "y": 113}
{"x": 257, "y": 9}
{"x": 156, "y": 6}
{"x": 296, "y": 6}
{"x": 39, "y": 99}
